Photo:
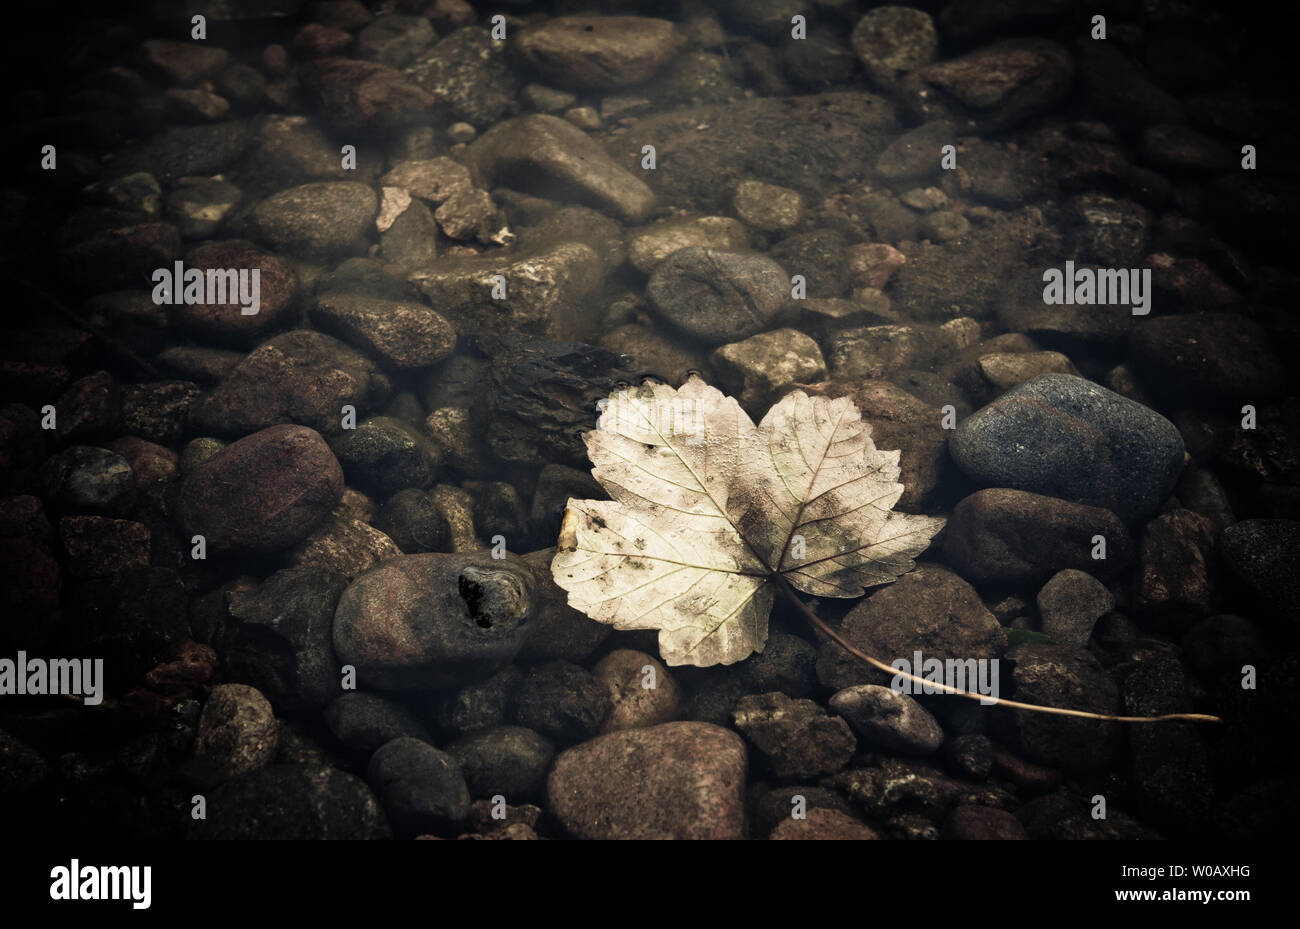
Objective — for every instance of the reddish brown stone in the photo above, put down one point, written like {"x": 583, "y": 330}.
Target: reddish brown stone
{"x": 262, "y": 493}
{"x": 149, "y": 461}
{"x": 277, "y": 285}
{"x": 102, "y": 547}
{"x": 683, "y": 780}
{"x": 823, "y": 824}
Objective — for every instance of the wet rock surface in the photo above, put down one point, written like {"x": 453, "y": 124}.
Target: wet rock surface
{"x": 262, "y": 493}
{"x": 678, "y": 780}
{"x": 1066, "y": 437}
{"x": 312, "y": 543}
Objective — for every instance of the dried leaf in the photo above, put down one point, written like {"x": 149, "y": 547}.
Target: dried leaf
{"x": 709, "y": 509}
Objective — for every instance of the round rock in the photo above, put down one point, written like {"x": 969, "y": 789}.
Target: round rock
{"x": 238, "y": 731}
{"x": 262, "y": 493}
{"x": 1064, "y": 436}
{"x": 891, "y": 720}
{"x": 718, "y": 296}
{"x": 315, "y": 221}
{"x": 1015, "y": 536}
{"x": 508, "y": 760}
{"x": 682, "y": 780}
{"x": 421, "y": 788}
{"x": 641, "y": 691}
{"x": 424, "y": 621}
{"x": 893, "y": 40}
{"x": 600, "y": 51}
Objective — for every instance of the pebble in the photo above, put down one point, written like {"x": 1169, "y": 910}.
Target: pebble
{"x": 680, "y": 780}
{"x": 891, "y": 720}
{"x": 301, "y": 376}
{"x": 641, "y": 690}
{"x": 797, "y": 738}
{"x": 344, "y": 545}
{"x": 553, "y": 157}
{"x": 384, "y": 455}
{"x": 183, "y": 62}
{"x": 1019, "y": 537}
{"x": 600, "y": 51}
{"x": 433, "y": 179}
{"x": 1064, "y": 436}
{"x": 364, "y": 722}
{"x": 550, "y": 288}
{"x": 762, "y": 368}
{"x": 562, "y": 701}
{"x": 86, "y": 479}
{"x": 1214, "y": 357}
{"x": 891, "y": 41}
{"x": 159, "y": 410}
{"x": 150, "y": 462}
{"x": 100, "y": 547}
{"x": 262, "y": 493}
{"x": 322, "y": 220}
{"x": 787, "y": 664}
{"x": 1005, "y": 370}
{"x": 416, "y": 620}
{"x": 238, "y": 731}
{"x": 1062, "y": 676}
{"x": 467, "y": 73}
{"x": 400, "y": 335}
{"x": 225, "y": 323}
{"x": 768, "y": 207}
{"x": 1070, "y": 604}
{"x": 559, "y": 631}
{"x": 1170, "y": 765}
{"x": 872, "y": 265}
{"x": 1176, "y": 567}
{"x": 411, "y": 520}
{"x": 913, "y": 155}
{"x": 929, "y": 609}
{"x": 993, "y": 87}
{"x": 823, "y": 825}
{"x": 652, "y": 244}
{"x": 363, "y": 96}
{"x": 509, "y": 761}
{"x": 479, "y": 705}
{"x": 878, "y": 352}
{"x": 421, "y": 788}
{"x": 1111, "y": 231}
{"x": 394, "y": 40}
{"x": 717, "y": 296}
{"x": 970, "y": 755}
{"x": 283, "y": 644}
{"x": 90, "y": 407}
{"x": 983, "y": 822}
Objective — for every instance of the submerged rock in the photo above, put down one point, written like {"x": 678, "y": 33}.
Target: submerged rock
{"x": 262, "y": 493}
{"x": 423, "y": 621}
{"x": 682, "y": 780}
{"x": 1064, "y": 436}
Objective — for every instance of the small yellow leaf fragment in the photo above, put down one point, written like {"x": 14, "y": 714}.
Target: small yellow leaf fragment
{"x": 568, "y": 540}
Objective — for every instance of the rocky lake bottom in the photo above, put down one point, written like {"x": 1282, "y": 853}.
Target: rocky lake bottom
{"x": 311, "y": 307}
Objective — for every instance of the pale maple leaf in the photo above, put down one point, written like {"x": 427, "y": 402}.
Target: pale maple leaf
{"x": 710, "y": 513}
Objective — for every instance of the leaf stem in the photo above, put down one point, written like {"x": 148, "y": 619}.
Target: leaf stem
{"x": 835, "y": 637}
